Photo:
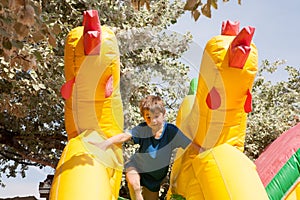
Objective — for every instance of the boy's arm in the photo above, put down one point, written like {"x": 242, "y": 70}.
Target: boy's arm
{"x": 117, "y": 139}
{"x": 120, "y": 138}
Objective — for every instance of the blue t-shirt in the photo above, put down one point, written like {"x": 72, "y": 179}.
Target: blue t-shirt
{"x": 153, "y": 157}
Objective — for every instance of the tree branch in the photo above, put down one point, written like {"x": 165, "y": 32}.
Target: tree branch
{"x": 9, "y": 138}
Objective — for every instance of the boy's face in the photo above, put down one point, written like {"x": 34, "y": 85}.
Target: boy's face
{"x": 154, "y": 120}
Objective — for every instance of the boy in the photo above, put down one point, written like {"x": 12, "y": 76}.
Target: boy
{"x": 157, "y": 139}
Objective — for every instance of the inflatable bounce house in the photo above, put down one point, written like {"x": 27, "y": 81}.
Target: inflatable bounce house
{"x": 93, "y": 112}
{"x": 213, "y": 115}
{"x": 279, "y": 166}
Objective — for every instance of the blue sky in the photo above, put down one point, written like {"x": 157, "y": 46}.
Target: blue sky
{"x": 277, "y": 36}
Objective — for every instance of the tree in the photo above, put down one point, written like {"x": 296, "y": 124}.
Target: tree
{"x": 276, "y": 108}
{"x": 27, "y": 23}
{"x": 31, "y": 119}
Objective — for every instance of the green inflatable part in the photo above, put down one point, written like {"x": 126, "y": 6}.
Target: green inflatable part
{"x": 285, "y": 178}
{"x": 193, "y": 86}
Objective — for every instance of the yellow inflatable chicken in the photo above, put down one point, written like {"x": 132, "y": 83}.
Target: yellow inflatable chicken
{"x": 216, "y": 120}
{"x": 93, "y": 112}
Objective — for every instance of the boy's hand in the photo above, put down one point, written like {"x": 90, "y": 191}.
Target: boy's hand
{"x": 196, "y": 148}
{"x": 117, "y": 139}
{"x": 101, "y": 145}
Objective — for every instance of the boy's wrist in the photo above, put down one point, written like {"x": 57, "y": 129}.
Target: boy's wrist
{"x": 109, "y": 143}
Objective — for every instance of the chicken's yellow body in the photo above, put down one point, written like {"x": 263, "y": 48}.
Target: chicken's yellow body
{"x": 216, "y": 120}
{"x": 93, "y": 112}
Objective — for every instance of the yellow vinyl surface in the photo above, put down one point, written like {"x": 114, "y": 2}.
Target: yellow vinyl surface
{"x": 84, "y": 171}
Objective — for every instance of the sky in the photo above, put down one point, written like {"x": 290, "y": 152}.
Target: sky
{"x": 277, "y": 37}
